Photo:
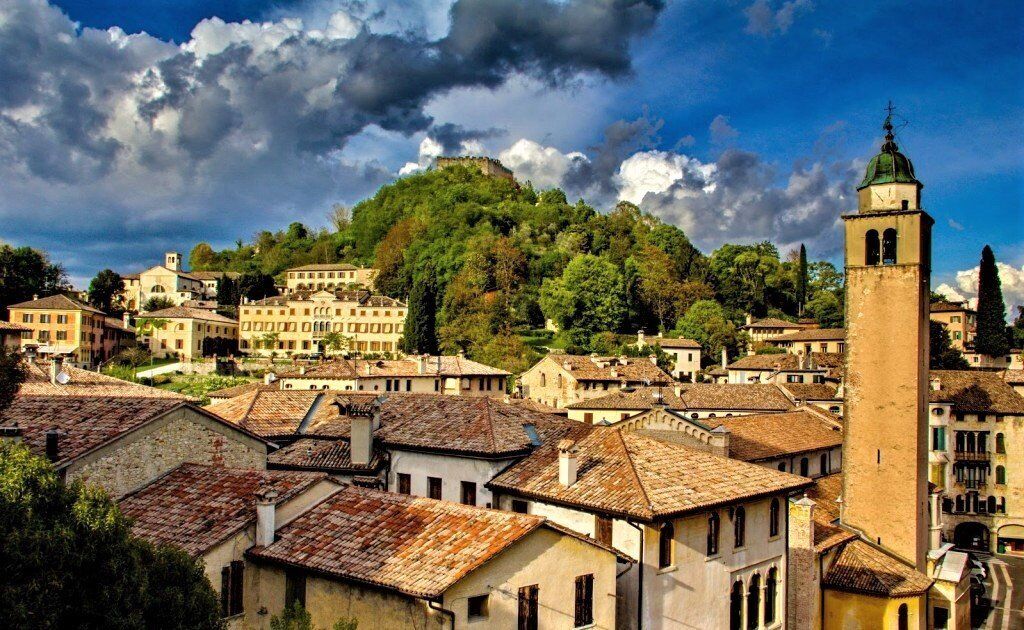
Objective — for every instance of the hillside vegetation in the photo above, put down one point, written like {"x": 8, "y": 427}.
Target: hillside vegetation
{"x": 484, "y": 263}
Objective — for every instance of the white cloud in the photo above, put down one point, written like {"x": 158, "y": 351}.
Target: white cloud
{"x": 763, "y": 19}
{"x": 721, "y": 131}
{"x": 656, "y": 171}
{"x": 545, "y": 167}
{"x": 1011, "y": 280}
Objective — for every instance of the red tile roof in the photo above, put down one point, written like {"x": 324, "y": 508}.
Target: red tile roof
{"x": 694, "y": 397}
{"x": 949, "y": 307}
{"x": 352, "y": 369}
{"x": 811, "y": 391}
{"x": 87, "y": 383}
{"x": 56, "y": 302}
{"x": 827, "y": 531}
{"x": 196, "y": 507}
{"x": 329, "y": 455}
{"x": 774, "y": 322}
{"x": 614, "y": 369}
{"x": 416, "y": 546}
{"x": 976, "y": 391}
{"x": 626, "y": 474}
{"x": 1014, "y": 377}
{"x": 862, "y": 568}
{"x": 667, "y": 342}
{"x": 767, "y": 436}
{"x": 814, "y": 334}
{"x": 182, "y": 312}
{"x": 12, "y": 327}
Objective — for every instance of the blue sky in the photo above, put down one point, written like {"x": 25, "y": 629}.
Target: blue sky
{"x": 737, "y": 120}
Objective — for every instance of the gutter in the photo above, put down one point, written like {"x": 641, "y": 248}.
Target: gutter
{"x": 444, "y": 611}
{"x": 640, "y": 578}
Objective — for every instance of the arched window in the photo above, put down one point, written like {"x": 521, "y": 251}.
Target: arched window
{"x": 903, "y": 618}
{"x": 714, "y": 527}
{"x": 739, "y": 527}
{"x": 872, "y": 250}
{"x": 991, "y": 505}
{"x": 156, "y": 288}
{"x": 823, "y": 464}
{"x": 736, "y": 606}
{"x": 773, "y": 518}
{"x": 771, "y": 589}
{"x": 1000, "y": 443}
{"x": 665, "y": 536}
{"x": 543, "y": 380}
{"x": 753, "y": 601}
{"x": 889, "y": 247}
{"x": 969, "y": 442}
{"x": 1001, "y": 474}
{"x": 804, "y": 466}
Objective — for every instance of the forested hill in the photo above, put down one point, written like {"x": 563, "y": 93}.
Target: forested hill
{"x": 496, "y": 260}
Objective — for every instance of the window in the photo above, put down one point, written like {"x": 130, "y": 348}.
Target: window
{"x": 782, "y": 466}
{"x": 44, "y": 318}
{"x": 231, "y": 588}
{"x": 889, "y": 247}
{"x": 739, "y": 527}
{"x": 902, "y": 618}
{"x": 468, "y": 493}
{"x": 1000, "y": 443}
{"x": 823, "y": 464}
{"x": 603, "y": 530}
{"x": 736, "y": 606}
{"x": 773, "y": 518}
{"x": 408, "y": 384}
{"x": 794, "y": 378}
{"x": 872, "y": 255}
{"x": 939, "y": 438}
{"x": 1001, "y": 475}
{"x": 714, "y": 529}
{"x": 26, "y": 318}
{"x": 584, "y": 601}
{"x": 434, "y": 487}
{"x": 478, "y": 607}
{"x": 62, "y": 335}
{"x": 294, "y": 588}
{"x": 753, "y": 601}
{"x": 528, "y": 596}
{"x": 941, "y": 617}
{"x": 519, "y": 506}
{"x": 404, "y": 483}
{"x": 588, "y": 418}
{"x": 771, "y": 589}
{"x": 804, "y": 466}
{"x": 665, "y": 536}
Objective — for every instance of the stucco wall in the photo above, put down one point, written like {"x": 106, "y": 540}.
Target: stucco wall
{"x": 850, "y": 611}
{"x": 183, "y": 435}
{"x": 451, "y": 469}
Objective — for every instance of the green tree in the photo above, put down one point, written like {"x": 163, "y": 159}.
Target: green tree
{"x": 588, "y": 297}
{"x": 421, "y": 318}
{"x": 70, "y": 560}
{"x": 659, "y": 289}
{"x": 13, "y": 373}
{"x": 255, "y": 285}
{"x": 991, "y": 339}
{"x": 25, "y": 272}
{"x": 103, "y": 290}
{"x": 705, "y": 323}
{"x": 228, "y": 292}
{"x": 942, "y": 354}
{"x": 826, "y": 309}
{"x": 157, "y": 303}
{"x": 202, "y": 257}
{"x": 335, "y": 341}
{"x": 1017, "y": 330}
{"x": 801, "y": 279}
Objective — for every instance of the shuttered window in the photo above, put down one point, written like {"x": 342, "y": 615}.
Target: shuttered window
{"x": 231, "y": 588}
{"x": 584, "y": 601}
{"x": 528, "y": 596}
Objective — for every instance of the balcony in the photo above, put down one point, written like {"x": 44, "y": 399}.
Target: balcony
{"x": 971, "y": 456}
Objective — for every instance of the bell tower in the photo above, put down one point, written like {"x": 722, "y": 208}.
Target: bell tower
{"x": 888, "y": 265}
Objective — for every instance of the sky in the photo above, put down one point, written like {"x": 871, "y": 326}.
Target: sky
{"x": 131, "y": 128}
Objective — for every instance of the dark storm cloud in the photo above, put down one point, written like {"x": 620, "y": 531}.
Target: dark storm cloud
{"x": 451, "y": 136}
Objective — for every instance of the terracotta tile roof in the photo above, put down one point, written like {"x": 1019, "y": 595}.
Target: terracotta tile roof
{"x": 446, "y": 366}
{"x": 329, "y": 455}
{"x": 196, "y": 507}
{"x": 416, "y": 546}
{"x": 325, "y": 267}
{"x": 766, "y": 436}
{"x": 949, "y": 307}
{"x": 766, "y": 362}
{"x": 862, "y": 568}
{"x": 976, "y": 391}
{"x": 87, "y": 383}
{"x": 616, "y": 369}
{"x": 814, "y": 334}
{"x": 633, "y": 399}
{"x": 811, "y": 391}
{"x": 739, "y": 396}
{"x": 479, "y": 426}
{"x": 56, "y": 302}
{"x": 827, "y": 531}
{"x": 667, "y": 342}
{"x": 11, "y": 326}
{"x": 359, "y": 297}
{"x": 214, "y": 275}
{"x": 238, "y": 390}
{"x": 626, "y": 474}
{"x": 1014, "y": 377}
{"x": 269, "y": 413}
{"x": 84, "y": 422}
{"x": 533, "y": 405}
{"x": 182, "y": 312}
{"x": 774, "y": 322}
{"x": 118, "y": 323}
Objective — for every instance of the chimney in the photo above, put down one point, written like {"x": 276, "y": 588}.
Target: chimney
{"x": 568, "y": 462}
{"x": 11, "y": 433}
{"x": 719, "y": 441}
{"x": 126, "y": 319}
{"x": 654, "y": 359}
{"x": 725, "y": 357}
{"x": 52, "y": 445}
{"x": 269, "y": 378}
{"x": 802, "y": 606}
{"x": 421, "y": 364}
{"x": 640, "y": 341}
{"x": 265, "y": 516}
{"x": 935, "y": 384}
{"x": 56, "y": 365}
{"x": 302, "y": 369}
{"x": 749, "y": 319}
{"x": 35, "y": 296}
{"x": 935, "y": 520}
{"x": 361, "y": 439}
{"x": 367, "y": 367}
{"x": 841, "y": 390}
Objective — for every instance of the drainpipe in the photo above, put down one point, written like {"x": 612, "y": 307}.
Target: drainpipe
{"x": 444, "y": 611}
{"x": 640, "y": 578}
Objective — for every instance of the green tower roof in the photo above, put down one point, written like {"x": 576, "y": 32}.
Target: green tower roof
{"x": 889, "y": 166}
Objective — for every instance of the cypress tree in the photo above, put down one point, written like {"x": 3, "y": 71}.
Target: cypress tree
{"x": 991, "y": 339}
{"x": 421, "y": 318}
{"x": 801, "y": 281}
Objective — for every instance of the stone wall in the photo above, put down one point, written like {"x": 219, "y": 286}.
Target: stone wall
{"x": 803, "y": 588}
{"x": 183, "y": 435}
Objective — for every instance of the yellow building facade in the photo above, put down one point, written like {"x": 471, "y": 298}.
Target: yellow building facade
{"x": 328, "y": 277}
{"x": 189, "y": 333}
{"x": 61, "y": 325}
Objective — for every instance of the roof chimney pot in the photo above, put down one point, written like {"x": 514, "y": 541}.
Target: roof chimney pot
{"x": 265, "y": 516}
{"x": 568, "y": 462}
